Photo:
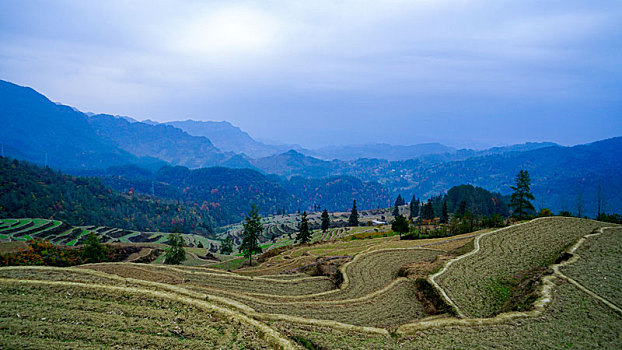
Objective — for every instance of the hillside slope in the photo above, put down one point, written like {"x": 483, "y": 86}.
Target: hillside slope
{"x": 159, "y": 141}
{"x": 38, "y": 130}
{"x": 27, "y": 190}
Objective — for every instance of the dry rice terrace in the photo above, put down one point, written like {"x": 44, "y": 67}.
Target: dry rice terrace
{"x": 382, "y": 299}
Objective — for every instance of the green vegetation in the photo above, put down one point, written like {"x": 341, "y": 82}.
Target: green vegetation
{"x": 175, "y": 253}
{"x": 304, "y": 235}
{"x": 252, "y": 229}
{"x": 325, "y": 221}
{"x": 353, "y": 219}
{"x": 32, "y": 191}
{"x": 400, "y": 225}
{"x": 522, "y": 196}
{"x": 93, "y": 251}
{"x": 227, "y": 246}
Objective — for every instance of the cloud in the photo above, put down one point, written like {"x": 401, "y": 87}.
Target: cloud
{"x": 440, "y": 65}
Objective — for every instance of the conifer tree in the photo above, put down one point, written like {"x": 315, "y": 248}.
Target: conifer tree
{"x": 444, "y": 214}
{"x": 414, "y": 207}
{"x": 325, "y": 221}
{"x": 522, "y": 195}
{"x": 353, "y": 220}
{"x": 251, "y": 231}
{"x": 304, "y": 235}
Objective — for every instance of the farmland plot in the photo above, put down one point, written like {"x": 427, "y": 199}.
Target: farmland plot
{"x": 478, "y": 282}
{"x": 599, "y": 267}
{"x": 75, "y": 316}
{"x": 562, "y": 325}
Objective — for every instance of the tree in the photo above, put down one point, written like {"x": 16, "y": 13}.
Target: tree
{"x": 175, "y": 253}
{"x": 428, "y": 211}
{"x": 251, "y": 231}
{"x": 462, "y": 208}
{"x": 226, "y": 247}
{"x": 396, "y": 211}
{"x": 400, "y": 225}
{"x": 94, "y": 252}
{"x": 444, "y": 214}
{"x": 325, "y": 221}
{"x": 353, "y": 220}
{"x": 414, "y": 207}
{"x": 522, "y": 195}
{"x": 399, "y": 201}
{"x": 200, "y": 245}
{"x": 304, "y": 235}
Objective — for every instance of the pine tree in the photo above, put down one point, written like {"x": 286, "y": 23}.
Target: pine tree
{"x": 325, "y": 221}
{"x": 251, "y": 231}
{"x": 444, "y": 214}
{"x": 399, "y": 200}
{"x": 353, "y": 220}
{"x": 428, "y": 211}
{"x": 304, "y": 235}
{"x": 175, "y": 253}
{"x": 400, "y": 225}
{"x": 522, "y": 195}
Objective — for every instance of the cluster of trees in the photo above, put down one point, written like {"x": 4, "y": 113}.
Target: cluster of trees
{"x": 466, "y": 208}
{"x": 28, "y": 190}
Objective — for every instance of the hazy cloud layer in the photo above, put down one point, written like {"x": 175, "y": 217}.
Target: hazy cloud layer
{"x": 331, "y": 72}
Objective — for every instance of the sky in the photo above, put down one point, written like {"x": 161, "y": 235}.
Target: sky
{"x": 315, "y": 73}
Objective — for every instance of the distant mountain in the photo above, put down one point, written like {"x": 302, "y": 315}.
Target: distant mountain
{"x": 159, "y": 141}
{"x": 293, "y": 163}
{"x": 560, "y": 175}
{"x": 227, "y": 137}
{"x": 38, "y": 130}
{"x": 379, "y": 151}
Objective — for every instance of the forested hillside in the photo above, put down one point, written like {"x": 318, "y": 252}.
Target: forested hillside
{"x": 27, "y": 190}
{"x": 229, "y": 193}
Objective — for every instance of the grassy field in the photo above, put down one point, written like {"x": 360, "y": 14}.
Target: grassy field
{"x": 380, "y": 302}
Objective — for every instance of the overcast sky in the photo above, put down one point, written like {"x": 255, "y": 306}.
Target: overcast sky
{"x": 464, "y": 73}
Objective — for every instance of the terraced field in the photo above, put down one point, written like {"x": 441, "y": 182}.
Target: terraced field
{"x": 477, "y": 282}
{"x": 378, "y": 303}
{"x": 599, "y": 263}
{"x": 61, "y": 233}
